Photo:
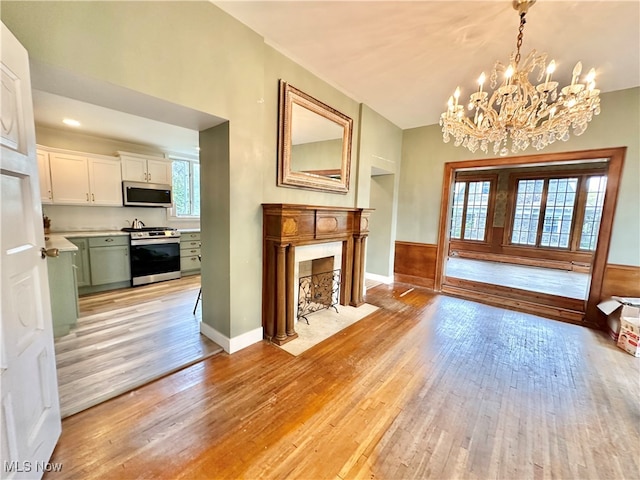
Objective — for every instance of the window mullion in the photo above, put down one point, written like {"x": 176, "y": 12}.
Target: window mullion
{"x": 543, "y": 209}
{"x": 464, "y": 209}
{"x": 578, "y": 213}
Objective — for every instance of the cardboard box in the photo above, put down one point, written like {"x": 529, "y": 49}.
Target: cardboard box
{"x": 612, "y": 308}
{"x": 629, "y": 342}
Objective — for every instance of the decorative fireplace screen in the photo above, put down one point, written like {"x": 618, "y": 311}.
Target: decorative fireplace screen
{"x": 318, "y": 292}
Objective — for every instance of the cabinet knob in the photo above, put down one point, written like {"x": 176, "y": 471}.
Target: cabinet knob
{"x": 93, "y": 197}
{"x": 87, "y": 197}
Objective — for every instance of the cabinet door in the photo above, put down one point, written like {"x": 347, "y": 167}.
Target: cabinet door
{"x": 45, "y": 177}
{"x": 106, "y": 182}
{"x": 69, "y": 179}
{"x": 81, "y": 261}
{"x": 109, "y": 264}
{"x": 159, "y": 171}
{"x": 134, "y": 169}
{"x": 64, "y": 295}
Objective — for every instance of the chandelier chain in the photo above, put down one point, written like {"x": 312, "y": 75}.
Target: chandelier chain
{"x": 520, "y": 35}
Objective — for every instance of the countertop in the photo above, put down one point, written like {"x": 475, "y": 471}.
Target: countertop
{"x": 60, "y": 242}
{"x": 89, "y": 233}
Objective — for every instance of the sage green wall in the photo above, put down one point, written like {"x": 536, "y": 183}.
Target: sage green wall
{"x": 424, "y": 155}
{"x": 380, "y": 148}
{"x": 277, "y": 66}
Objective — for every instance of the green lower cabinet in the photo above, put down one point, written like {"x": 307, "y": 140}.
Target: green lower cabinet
{"x": 189, "y": 253}
{"x": 82, "y": 261}
{"x": 109, "y": 264}
{"x": 63, "y": 291}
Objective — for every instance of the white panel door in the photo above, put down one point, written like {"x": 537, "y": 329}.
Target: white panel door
{"x": 159, "y": 171}
{"x": 106, "y": 182}
{"x": 29, "y": 411}
{"x": 45, "y": 177}
{"x": 69, "y": 179}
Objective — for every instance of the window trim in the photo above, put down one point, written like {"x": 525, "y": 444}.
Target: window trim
{"x": 578, "y": 206}
{"x": 493, "y": 184}
{"x": 171, "y": 212}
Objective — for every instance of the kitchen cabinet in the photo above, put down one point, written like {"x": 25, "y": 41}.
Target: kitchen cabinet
{"x": 63, "y": 292}
{"x": 109, "y": 258}
{"x": 189, "y": 251}
{"x": 82, "y": 180}
{"x": 140, "y": 169}
{"x": 44, "y": 174}
{"x": 81, "y": 261}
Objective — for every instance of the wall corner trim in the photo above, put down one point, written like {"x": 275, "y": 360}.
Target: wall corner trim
{"x": 234, "y": 344}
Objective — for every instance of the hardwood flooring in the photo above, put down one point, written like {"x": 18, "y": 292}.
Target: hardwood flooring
{"x": 127, "y": 338}
{"x": 426, "y": 387}
{"x": 536, "y": 279}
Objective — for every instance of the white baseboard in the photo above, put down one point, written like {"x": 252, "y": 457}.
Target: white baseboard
{"x": 379, "y": 278}
{"x": 231, "y": 345}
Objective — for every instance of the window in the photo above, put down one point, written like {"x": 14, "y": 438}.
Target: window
{"x": 469, "y": 209}
{"x": 186, "y": 188}
{"x": 555, "y": 212}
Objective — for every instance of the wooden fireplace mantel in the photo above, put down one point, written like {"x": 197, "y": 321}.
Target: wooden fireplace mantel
{"x": 286, "y": 226}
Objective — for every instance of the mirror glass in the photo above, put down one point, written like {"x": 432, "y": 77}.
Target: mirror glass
{"x": 314, "y": 144}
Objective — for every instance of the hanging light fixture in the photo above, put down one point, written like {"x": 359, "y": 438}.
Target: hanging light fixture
{"x": 517, "y": 111}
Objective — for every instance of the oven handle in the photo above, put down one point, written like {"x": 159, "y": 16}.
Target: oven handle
{"x": 154, "y": 241}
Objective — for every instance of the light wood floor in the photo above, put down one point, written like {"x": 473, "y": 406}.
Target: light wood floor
{"x": 127, "y": 338}
{"x": 536, "y": 279}
{"x": 426, "y": 387}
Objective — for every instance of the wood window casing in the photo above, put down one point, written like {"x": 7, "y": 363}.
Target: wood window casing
{"x": 488, "y": 230}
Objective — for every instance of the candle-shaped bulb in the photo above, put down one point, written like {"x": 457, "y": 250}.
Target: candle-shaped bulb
{"x": 550, "y": 69}
{"x": 450, "y": 103}
{"x": 481, "y": 81}
{"x": 456, "y": 95}
{"x": 591, "y": 76}
{"x": 508, "y": 74}
{"x": 577, "y": 70}
{"x": 480, "y": 117}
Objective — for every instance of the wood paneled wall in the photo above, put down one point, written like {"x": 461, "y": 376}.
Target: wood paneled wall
{"x": 415, "y": 263}
{"x": 621, "y": 280}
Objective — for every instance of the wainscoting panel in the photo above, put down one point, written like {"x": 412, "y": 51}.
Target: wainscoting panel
{"x": 621, "y": 280}
{"x": 415, "y": 263}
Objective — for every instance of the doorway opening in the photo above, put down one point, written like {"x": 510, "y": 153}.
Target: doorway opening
{"x": 530, "y": 233}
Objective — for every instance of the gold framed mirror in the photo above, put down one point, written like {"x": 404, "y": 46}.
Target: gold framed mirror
{"x": 314, "y": 143}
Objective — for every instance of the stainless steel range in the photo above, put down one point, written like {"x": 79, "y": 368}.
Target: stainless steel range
{"x": 155, "y": 254}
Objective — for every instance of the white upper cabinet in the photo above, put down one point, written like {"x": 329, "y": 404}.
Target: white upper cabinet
{"x": 82, "y": 180}
{"x": 105, "y": 181}
{"x": 69, "y": 179}
{"x": 141, "y": 169}
{"x": 44, "y": 173}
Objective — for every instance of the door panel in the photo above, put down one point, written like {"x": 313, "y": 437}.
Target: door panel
{"x": 30, "y": 414}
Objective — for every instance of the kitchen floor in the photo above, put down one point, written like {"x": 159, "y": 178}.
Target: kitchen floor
{"x": 129, "y": 337}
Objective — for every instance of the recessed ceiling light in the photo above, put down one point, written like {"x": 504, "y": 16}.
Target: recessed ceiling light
{"x": 71, "y": 122}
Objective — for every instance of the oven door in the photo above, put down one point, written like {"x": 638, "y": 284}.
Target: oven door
{"x": 154, "y": 260}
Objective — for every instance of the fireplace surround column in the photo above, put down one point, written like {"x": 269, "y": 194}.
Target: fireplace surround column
{"x": 286, "y": 226}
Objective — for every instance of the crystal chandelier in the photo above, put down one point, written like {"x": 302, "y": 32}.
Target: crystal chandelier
{"x": 517, "y": 111}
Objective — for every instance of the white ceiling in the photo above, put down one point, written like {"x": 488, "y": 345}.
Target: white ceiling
{"x": 403, "y": 59}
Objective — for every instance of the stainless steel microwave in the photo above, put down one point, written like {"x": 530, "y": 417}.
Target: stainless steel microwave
{"x": 140, "y": 194}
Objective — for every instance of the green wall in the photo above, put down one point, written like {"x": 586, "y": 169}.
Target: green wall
{"x": 424, "y": 155}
